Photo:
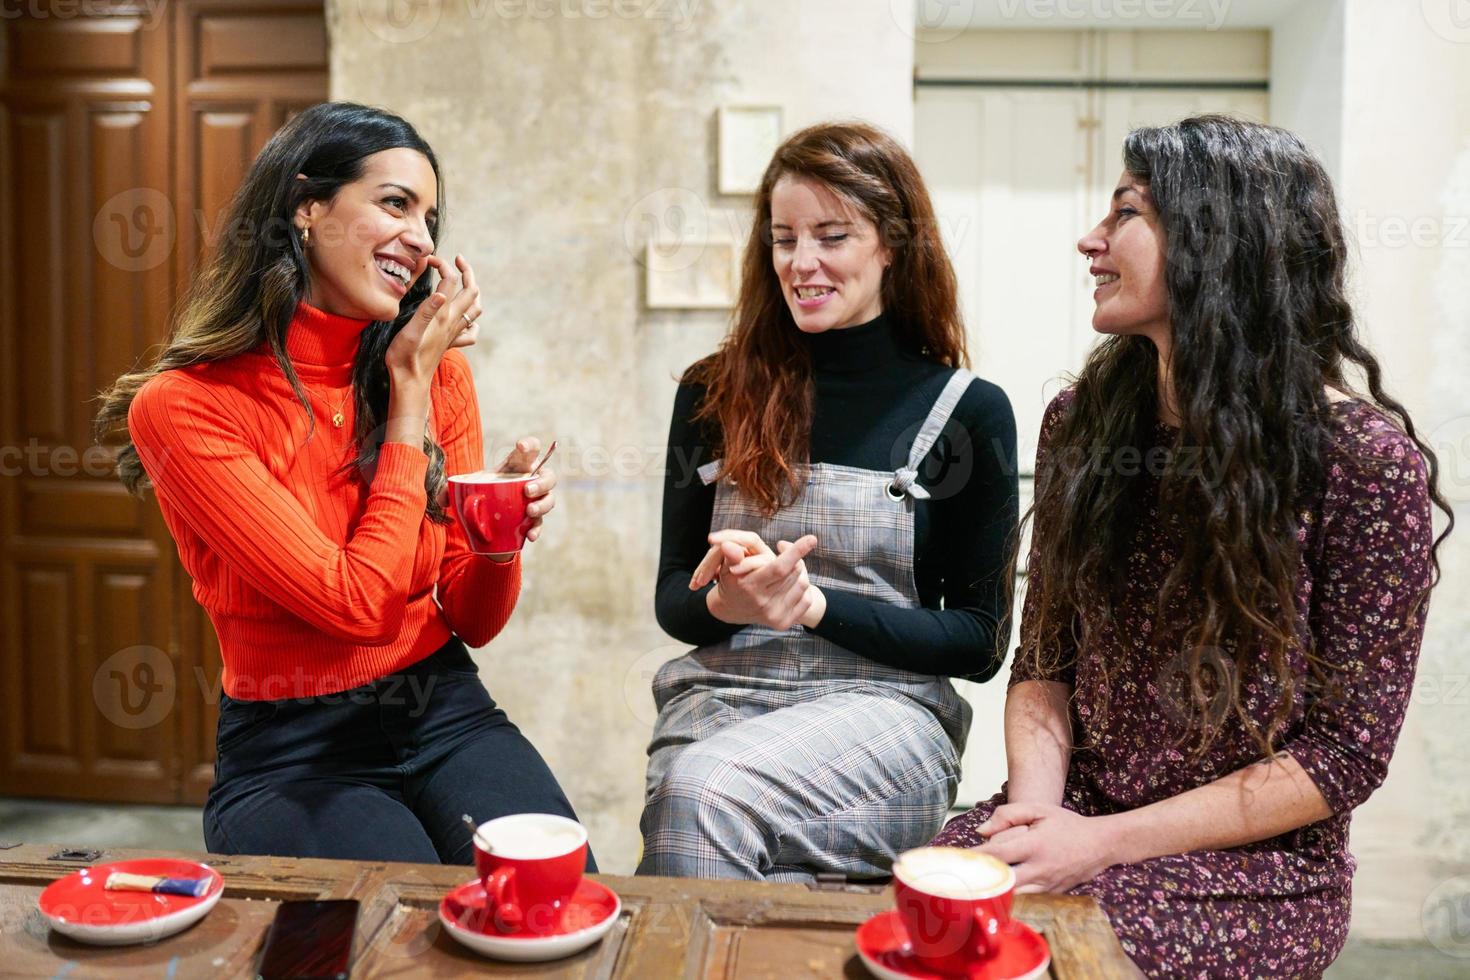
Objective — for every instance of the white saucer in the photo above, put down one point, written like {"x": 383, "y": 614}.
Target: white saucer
{"x": 592, "y": 901}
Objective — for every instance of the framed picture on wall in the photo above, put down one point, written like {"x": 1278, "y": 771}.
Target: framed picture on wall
{"x": 748, "y": 135}
{"x": 691, "y": 275}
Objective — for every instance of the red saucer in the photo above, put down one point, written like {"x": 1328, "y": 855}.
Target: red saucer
{"x": 590, "y": 905}
{"x": 883, "y": 944}
{"x": 81, "y": 907}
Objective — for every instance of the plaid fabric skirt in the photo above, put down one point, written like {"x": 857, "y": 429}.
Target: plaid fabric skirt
{"x": 779, "y": 754}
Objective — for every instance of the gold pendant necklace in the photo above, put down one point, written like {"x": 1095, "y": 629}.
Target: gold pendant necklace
{"x": 338, "y": 418}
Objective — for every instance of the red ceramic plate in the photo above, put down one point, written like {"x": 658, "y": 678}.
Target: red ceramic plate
{"x": 80, "y": 907}
{"x": 883, "y": 944}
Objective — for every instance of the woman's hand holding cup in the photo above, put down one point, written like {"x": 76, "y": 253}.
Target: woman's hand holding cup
{"x": 539, "y": 491}
{"x": 445, "y": 319}
{"x": 501, "y": 509}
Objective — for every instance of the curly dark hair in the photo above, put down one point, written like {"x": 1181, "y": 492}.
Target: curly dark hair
{"x": 1255, "y": 269}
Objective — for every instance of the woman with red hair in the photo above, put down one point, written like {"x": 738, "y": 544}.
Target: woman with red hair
{"x": 842, "y": 554}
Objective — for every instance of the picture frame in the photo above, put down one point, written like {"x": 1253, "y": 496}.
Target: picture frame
{"x": 748, "y": 136}
{"x": 702, "y": 275}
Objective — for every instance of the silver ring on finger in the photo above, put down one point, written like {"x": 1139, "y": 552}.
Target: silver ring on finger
{"x": 467, "y": 321}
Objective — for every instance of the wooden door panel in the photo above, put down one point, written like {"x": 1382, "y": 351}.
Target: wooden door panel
{"x": 38, "y": 161}
{"x": 124, "y": 131}
{"x": 226, "y": 143}
{"x": 230, "y": 41}
{"x": 130, "y": 233}
{"x": 87, "y": 140}
{"x": 79, "y": 45}
{"x": 46, "y": 724}
{"x": 54, "y": 506}
{"x": 130, "y": 690}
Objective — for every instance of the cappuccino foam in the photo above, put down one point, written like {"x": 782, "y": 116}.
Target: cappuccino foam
{"x": 528, "y": 840}
{"x": 952, "y": 872}
{"x": 476, "y": 478}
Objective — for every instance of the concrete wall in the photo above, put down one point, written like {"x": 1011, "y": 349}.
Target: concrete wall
{"x": 1306, "y": 76}
{"x": 568, "y": 131}
{"x": 1405, "y": 193}
{"x": 1377, "y": 89}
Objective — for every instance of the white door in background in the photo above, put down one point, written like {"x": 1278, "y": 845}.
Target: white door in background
{"x": 1018, "y": 174}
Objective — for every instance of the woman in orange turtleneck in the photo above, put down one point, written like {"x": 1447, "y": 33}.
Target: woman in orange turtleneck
{"x": 298, "y": 430}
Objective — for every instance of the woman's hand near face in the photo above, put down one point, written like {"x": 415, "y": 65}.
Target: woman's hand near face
{"x": 444, "y": 320}
{"x": 755, "y": 584}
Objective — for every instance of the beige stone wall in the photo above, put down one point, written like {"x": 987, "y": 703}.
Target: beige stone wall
{"x": 567, "y": 131}
{"x": 1405, "y": 192}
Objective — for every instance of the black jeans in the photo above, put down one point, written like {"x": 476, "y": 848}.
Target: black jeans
{"x": 380, "y": 773}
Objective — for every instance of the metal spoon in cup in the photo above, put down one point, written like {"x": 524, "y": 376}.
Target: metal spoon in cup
{"x": 544, "y": 457}
{"x": 470, "y": 823}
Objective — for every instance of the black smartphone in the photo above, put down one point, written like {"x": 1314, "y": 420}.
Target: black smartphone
{"x": 310, "y": 941}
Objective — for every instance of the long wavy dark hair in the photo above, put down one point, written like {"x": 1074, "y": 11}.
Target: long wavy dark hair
{"x": 247, "y": 292}
{"x": 759, "y": 384}
{"x": 1255, "y": 268}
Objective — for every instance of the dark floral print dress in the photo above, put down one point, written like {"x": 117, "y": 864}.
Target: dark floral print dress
{"x": 1278, "y": 907}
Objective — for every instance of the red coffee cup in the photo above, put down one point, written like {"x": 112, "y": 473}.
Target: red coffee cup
{"x": 955, "y": 904}
{"x": 492, "y": 510}
{"x": 530, "y": 864}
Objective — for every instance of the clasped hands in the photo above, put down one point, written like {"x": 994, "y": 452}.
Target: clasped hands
{"x": 754, "y": 584}
{"x": 1052, "y": 849}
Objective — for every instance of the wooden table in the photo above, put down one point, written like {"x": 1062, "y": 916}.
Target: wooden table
{"x": 669, "y": 927}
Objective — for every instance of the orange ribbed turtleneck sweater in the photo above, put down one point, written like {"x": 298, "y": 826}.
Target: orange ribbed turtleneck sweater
{"x": 315, "y": 581}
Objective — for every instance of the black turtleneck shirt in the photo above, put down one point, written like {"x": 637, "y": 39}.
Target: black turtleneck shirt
{"x": 872, "y": 395}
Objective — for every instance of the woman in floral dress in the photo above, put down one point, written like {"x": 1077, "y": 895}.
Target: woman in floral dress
{"x": 1232, "y": 552}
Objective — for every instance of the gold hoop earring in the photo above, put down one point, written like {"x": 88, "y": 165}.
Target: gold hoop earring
{"x": 305, "y": 237}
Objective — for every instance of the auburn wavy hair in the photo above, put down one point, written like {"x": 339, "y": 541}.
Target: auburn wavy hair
{"x": 1255, "y": 273}
{"x": 759, "y": 383}
{"x": 246, "y": 294}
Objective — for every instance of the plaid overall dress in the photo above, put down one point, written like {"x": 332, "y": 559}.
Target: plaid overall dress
{"x": 778, "y": 755}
